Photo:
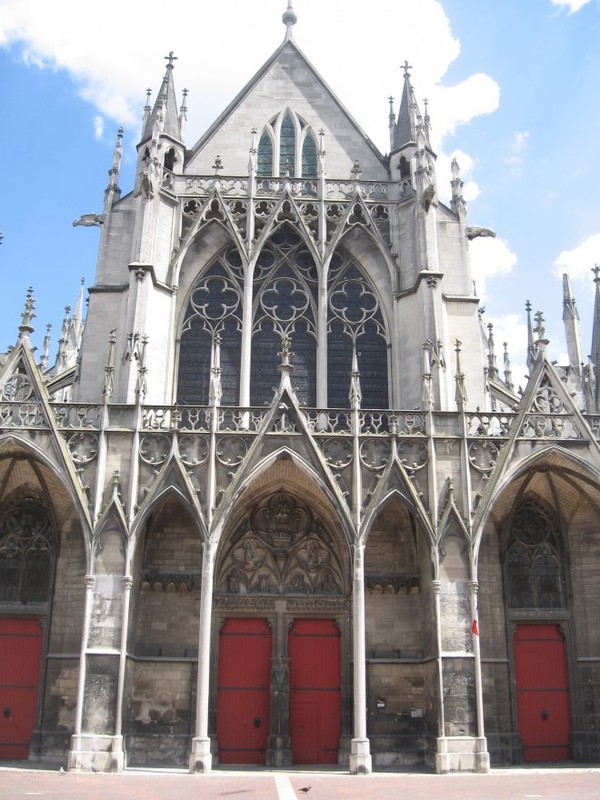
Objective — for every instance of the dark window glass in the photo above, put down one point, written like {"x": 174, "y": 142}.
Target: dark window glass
{"x": 264, "y": 168}
{"x": 309, "y": 157}
{"x": 287, "y": 147}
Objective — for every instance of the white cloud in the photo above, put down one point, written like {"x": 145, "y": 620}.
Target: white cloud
{"x": 98, "y": 123}
{"x": 518, "y": 146}
{"x": 579, "y": 261}
{"x": 490, "y": 258}
{"x": 112, "y": 57}
{"x": 571, "y": 5}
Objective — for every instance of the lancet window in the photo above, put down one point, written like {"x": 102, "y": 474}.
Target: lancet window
{"x": 534, "y": 575}
{"x": 287, "y": 147}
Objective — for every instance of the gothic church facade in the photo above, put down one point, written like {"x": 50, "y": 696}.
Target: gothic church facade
{"x": 275, "y": 503}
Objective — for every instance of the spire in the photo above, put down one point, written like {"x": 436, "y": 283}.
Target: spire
{"x": 507, "y": 370}
{"x": 183, "y": 113}
{"x": 461, "y": 390}
{"x": 164, "y": 117}
{"x": 571, "y": 321}
{"x": 411, "y": 127}
{"x": 113, "y": 172}
{"x": 531, "y": 350}
{"x": 289, "y": 19}
{"x": 492, "y": 367}
{"x": 26, "y": 328}
{"x": 458, "y": 204}
{"x": 595, "y": 354}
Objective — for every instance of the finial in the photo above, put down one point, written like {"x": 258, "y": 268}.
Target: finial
{"x": 289, "y": 19}
{"x": 596, "y": 271}
{"x": 406, "y": 66}
{"x": 25, "y": 328}
{"x": 170, "y": 58}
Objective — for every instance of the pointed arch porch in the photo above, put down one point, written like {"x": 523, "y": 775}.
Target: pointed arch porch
{"x": 536, "y": 546}
{"x": 283, "y": 563}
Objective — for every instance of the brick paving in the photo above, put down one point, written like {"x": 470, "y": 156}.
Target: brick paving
{"x": 508, "y": 784}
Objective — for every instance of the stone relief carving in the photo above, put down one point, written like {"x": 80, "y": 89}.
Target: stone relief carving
{"x": 281, "y": 549}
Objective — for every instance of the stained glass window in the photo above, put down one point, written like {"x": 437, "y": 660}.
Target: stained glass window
{"x": 264, "y": 167}
{"x": 309, "y": 157}
{"x": 287, "y": 147}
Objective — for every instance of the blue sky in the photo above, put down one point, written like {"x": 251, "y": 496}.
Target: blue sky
{"x": 512, "y": 88}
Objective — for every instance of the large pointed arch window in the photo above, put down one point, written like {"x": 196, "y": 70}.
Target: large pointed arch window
{"x": 211, "y": 334}
{"x": 284, "y": 305}
{"x": 533, "y": 567}
{"x": 355, "y": 326}
{"x": 26, "y": 549}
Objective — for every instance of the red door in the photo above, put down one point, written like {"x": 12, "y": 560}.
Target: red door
{"x": 315, "y": 709}
{"x": 20, "y": 654}
{"x": 543, "y": 703}
{"x": 243, "y": 691}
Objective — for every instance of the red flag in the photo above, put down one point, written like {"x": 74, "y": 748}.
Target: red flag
{"x": 475, "y": 628}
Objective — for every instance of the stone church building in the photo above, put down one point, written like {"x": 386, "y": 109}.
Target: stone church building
{"x": 276, "y": 503}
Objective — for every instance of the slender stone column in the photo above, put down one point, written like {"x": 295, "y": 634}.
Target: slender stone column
{"x": 200, "y": 757}
{"x": 118, "y": 751}
{"x": 74, "y": 760}
{"x": 360, "y": 754}
{"x": 482, "y": 757}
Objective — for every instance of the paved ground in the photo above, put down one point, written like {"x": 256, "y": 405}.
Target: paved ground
{"x": 506, "y": 784}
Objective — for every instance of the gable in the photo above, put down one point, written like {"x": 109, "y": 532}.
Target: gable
{"x": 287, "y": 80}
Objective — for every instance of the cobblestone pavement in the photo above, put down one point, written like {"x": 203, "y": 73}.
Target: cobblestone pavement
{"x": 501, "y": 784}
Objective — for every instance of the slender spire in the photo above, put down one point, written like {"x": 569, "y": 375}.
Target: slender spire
{"x": 411, "y": 127}
{"x": 113, "y": 172}
{"x": 461, "y": 390}
{"x": 164, "y": 117}
{"x": 458, "y": 204}
{"x": 595, "y": 354}
{"x": 492, "y": 367}
{"x": 183, "y": 113}
{"x": 507, "y": 370}
{"x": 26, "y": 328}
{"x": 289, "y": 19}
{"x": 531, "y": 349}
{"x": 571, "y": 321}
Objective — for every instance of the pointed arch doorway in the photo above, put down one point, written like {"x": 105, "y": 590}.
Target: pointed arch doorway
{"x": 281, "y": 632}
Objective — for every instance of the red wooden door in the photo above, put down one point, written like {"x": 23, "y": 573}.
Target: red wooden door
{"x": 315, "y": 708}
{"x": 543, "y": 702}
{"x": 20, "y": 654}
{"x": 243, "y": 691}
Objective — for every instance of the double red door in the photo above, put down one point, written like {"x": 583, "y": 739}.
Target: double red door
{"x": 243, "y": 694}
{"x": 20, "y": 654}
{"x": 543, "y": 702}
{"x": 315, "y": 710}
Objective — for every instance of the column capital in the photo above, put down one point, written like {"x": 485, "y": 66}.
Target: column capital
{"x": 89, "y": 581}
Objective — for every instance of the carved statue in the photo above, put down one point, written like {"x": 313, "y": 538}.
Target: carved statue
{"x": 474, "y": 232}
{"x": 89, "y": 220}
